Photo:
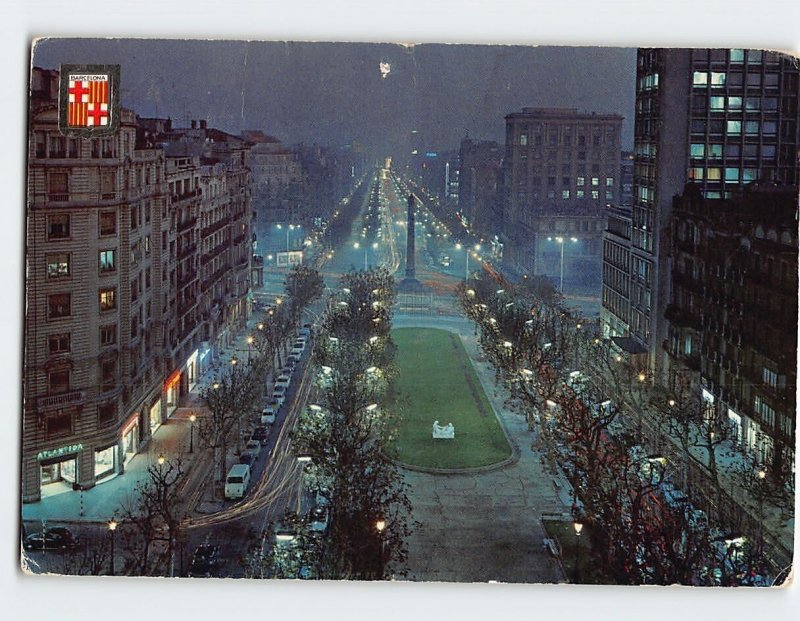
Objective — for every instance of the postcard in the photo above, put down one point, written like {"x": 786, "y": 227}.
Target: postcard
{"x": 429, "y": 313}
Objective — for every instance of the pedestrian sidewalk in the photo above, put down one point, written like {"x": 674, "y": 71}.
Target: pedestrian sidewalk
{"x": 61, "y": 504}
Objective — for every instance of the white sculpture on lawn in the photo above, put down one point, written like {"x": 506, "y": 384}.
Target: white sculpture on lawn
{"x": 444, "y": 432}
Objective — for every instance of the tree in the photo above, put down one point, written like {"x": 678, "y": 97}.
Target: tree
{"x": 304, "y": 285}
{"x": 156, "y": 511}
{"x": 234, "y": 396}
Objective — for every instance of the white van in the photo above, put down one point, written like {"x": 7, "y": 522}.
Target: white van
{"x": 237, "y": 481}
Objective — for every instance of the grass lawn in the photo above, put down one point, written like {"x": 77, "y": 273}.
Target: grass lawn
{"x": 436, "y": 381}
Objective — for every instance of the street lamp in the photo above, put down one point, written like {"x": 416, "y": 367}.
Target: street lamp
{"x": 380, "y": 526}
{"x": 192, "y": 418}
{"x": 250, "y": 340}
{"x": 578, "y": 528}
{"x": 112, "y": 528}
{"x": 561, "y": 241}
{"x": 289, "y": 227}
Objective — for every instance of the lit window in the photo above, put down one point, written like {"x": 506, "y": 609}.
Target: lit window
{"x": 565, "y": 194}
{"x": 698, "y": 150}
{"x": 609, "y": 182}
{"x": 731, "y": 174}
{"x": 734, "y": 103}
{"x": 595, "y": 181}
{"x": 57, "y": 265}
{"x": 696, "y": 174}
{"x": 737, "y": 56}
{"x": 714, "y": 151}
{"x": 749, "y": 174}
{"x": 108, "y": 299}
{"x": 580, "y": 194}
{"x": 717, "y": 79}
{"x": 595, "y": 195}
{"x": 717, "y": 103}
{"x": 108, "y": 262}
{"x": 700, "y": 78}
{"x": 713, "y": 174}
{"x": 523, "y": 140}
{"x": 581, "y": 181}
{"x": 734, "y": 127}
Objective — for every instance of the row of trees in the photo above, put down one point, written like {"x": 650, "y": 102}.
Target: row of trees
{"x": 341, "y": 439}
{"x": 588, "y": 405}
{"x": 154, "y": 514}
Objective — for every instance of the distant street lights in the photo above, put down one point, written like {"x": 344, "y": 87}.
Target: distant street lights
{"x": 289, "y": 227}
{"x": 562, "y": 241}
{"x": 477, "y": 247}
{"x": 356, "y": 246}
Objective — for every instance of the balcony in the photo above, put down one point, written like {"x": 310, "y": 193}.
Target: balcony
{"x": 187, "y": 224}
{"x": 60, "y": 400}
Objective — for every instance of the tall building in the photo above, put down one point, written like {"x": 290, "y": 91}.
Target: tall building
{"x": 125, "y": 234}
{"x": 479, "y": 164}
{"x": 558, "y": 164}
{"x": 733, "y": 312}
{"x": 720, "y": 118}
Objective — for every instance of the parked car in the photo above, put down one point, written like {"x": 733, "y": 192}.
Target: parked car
{"x": 279, "y": 394}
{"x": 283, "y": 380}
{"x": 247, "y": 459}
{"x": 298, "y": 347}
{"x": 261, "y": 433}
{"x": 55, "y": 538}
{"x": 305, "y": 331}
{"x": 253, "y": 447}
{"x": 205, "y": 561}
{"x": 268, "y": 413}
{"x": 295, "y": 355}
{"x": 290, "y": 366}
{"x": 318, "y": 519}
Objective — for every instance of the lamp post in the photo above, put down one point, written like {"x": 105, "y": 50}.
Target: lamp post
{"x": 250, "y": 340}
{"x": 289, "y": 227}
{"x": 192, "y": 418}
{"x": 112, "y": 528}
{"x": 561, "y": 241}
{"x": 578, "y": 528}
{"x": 466, "y": 258}
{"x": 380, "y": 526}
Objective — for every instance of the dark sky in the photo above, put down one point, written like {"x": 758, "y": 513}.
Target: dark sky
{"x": 331, "y": 93}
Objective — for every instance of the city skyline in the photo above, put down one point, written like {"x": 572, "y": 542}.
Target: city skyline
{"x": 334, "y": 93}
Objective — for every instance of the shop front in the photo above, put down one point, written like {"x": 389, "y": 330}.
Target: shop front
{"x": 105, "y": 463}
{"x": 59, "y": 465}
{"x": 191, "y": 371}
{"x": 172, "y": 390}
{"x": 131, "y": 436}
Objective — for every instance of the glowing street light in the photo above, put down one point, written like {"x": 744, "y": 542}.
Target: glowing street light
{"x": 562, "y": 242}
{"x": 192, "y": 418}
{"x": 112, "y": 529}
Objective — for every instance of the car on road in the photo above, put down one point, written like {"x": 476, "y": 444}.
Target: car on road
{"x": 298, "y": 347}
{"x": 269, "y": 413}
{"x": 253, "y": 447}
{"x": 55, "y": 538}
{"x": 295, "y": 355}
{"x": 290, "y": 366}
{"x": 279, "y": 394}
{"x": 305, "y": 331}
{"x": 261, "y": 433}
{"x": 247, "y": 459}
{"x": 283, "y": 380}
{"x": 318, "y": 519}
{"x": 205, "y": 561}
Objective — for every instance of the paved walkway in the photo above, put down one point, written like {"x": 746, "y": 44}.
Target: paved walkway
{"x": 486, "y": 526}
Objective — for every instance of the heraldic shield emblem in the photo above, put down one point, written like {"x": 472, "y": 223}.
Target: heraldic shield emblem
{"x": 89, "y": 103}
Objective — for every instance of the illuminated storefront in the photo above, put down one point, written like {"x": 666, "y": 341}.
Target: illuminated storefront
{"x": 105, "y": 462}
{"x": 172, "y": 389}
{"x": 191, "y": 370}
{"x": 131, "y": 436}
{"x": 59, "y": 465}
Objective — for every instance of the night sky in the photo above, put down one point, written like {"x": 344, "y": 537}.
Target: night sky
{"x": 332, "y": 93}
